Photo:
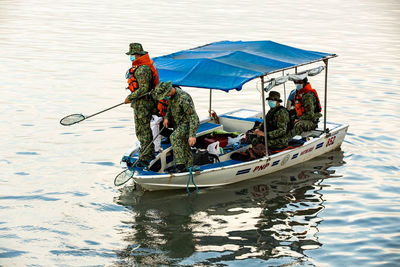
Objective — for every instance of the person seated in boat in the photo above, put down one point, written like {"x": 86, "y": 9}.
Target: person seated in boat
{"x": 181, "y": 114}
{"x": 290, "y": 107}
{"x": 290, "y": 100}
{"x": 277, "y": 120}
{"x": 307, "y": 106}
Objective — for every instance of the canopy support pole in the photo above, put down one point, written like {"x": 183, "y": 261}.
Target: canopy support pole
{"x": 209, "y": 106}
{"x": 284, "y": 88}
{"x": 263, "y": 108}
{"x": 326, "y": 92}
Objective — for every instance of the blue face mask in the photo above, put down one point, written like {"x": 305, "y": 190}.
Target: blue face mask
{"x": 271, "y": 103}
{"x": 132, "y": 57}
{"x": 299, "y": 86}
{"x": 167, "y": 97}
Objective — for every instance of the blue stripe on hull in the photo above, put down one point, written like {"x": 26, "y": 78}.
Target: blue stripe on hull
{"x": 319, "y": 145}
{"x": 243, "y": 171}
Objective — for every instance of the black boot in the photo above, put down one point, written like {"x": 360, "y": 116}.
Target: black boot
{"x": 181, "y": 168}
{"x": 176, "y": 169}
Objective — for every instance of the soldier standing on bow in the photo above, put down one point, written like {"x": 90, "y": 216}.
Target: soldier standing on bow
{"x": 142, "y": 78}
{"x": 181, "y": 114}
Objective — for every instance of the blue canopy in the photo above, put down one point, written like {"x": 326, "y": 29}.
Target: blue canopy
{"x": 228, "y": 65}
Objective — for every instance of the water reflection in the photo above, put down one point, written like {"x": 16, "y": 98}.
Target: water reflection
{"x": 273, "y": 219}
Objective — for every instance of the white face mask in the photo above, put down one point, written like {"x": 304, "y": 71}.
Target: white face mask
{"x": 299, "y": 86}
{"x": 271, "y": 103}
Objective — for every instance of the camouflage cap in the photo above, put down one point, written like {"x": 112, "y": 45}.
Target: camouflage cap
{"x": 162, "y": 90}
{"x": 274, "y": 95}
{"x": 136, "y": 48}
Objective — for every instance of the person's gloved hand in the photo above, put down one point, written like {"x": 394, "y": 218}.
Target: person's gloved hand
{"x": 127, "y": 101}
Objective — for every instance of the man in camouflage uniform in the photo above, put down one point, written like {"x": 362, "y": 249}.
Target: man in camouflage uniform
{"x": 181, "y": 114}
{"x": 142, "y": 104}
{"x": 277, "y": 120}
{"x": 308, "y": 108}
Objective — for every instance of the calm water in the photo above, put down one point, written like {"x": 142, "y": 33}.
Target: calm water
{"x": 58, "y": 205}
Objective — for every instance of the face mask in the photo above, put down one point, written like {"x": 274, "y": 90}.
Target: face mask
{"x": 271, "y": 103}
{"x": 167, "y": 97}
{"x": 132, "y": 57}
{"x": 299, "y": 86}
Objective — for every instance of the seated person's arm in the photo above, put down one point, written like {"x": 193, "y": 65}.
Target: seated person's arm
{"x": 309, "y": 107}
{"x": 283, "y": 119}
{"x": 258, "y": 132}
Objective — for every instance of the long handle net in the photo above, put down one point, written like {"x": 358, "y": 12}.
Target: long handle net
{"x": 123, "y": 177}
{"x": 72, "y": 119}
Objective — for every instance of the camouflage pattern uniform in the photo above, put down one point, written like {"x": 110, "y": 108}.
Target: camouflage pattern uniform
{"x": 309, "y": 121}
{"x": 277, "y": 120}
{"x": 143, "y": 107}
{"x": 182, "y": 115}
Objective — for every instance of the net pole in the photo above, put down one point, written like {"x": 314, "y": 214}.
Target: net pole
{"x": 104, "y": 110}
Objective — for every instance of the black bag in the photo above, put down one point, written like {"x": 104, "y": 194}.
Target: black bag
{"x": 256, "y": 152}
{"x": 202, "y": 157}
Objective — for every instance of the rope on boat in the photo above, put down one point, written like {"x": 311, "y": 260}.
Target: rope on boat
{"x": 141, "y": 165}
{"x": 191, "y": 177}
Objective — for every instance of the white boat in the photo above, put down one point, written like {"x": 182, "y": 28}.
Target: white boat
{"x": 262, "y": 188}
{"x": 225, "y": 66}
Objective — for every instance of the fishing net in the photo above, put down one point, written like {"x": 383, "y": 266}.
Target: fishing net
{"x": 123, "y": 177}
{"x": 72, "y": 119}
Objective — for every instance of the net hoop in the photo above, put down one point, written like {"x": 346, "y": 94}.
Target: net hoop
{"x": 123, "y": 177}
{"x": 72, "y": 119}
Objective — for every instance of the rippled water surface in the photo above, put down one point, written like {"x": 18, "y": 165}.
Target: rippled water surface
{"x": 58, "y": 205}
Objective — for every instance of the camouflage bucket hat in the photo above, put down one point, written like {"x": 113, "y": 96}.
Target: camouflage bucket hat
{"x": 162, "y": 90}
{"x": 136, "y": 48}
{"x": 274, "y": 95}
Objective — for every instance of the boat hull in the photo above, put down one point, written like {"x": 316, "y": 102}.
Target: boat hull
{"x": 240, "y": 171}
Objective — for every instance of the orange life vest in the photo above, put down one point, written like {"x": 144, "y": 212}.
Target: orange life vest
{"x": 298, "y": 97}
{"x": 143, "y": 60}
{"x": 162, "y": 107}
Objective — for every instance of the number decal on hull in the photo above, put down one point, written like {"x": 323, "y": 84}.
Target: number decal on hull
{"x": 331, "y": 141}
